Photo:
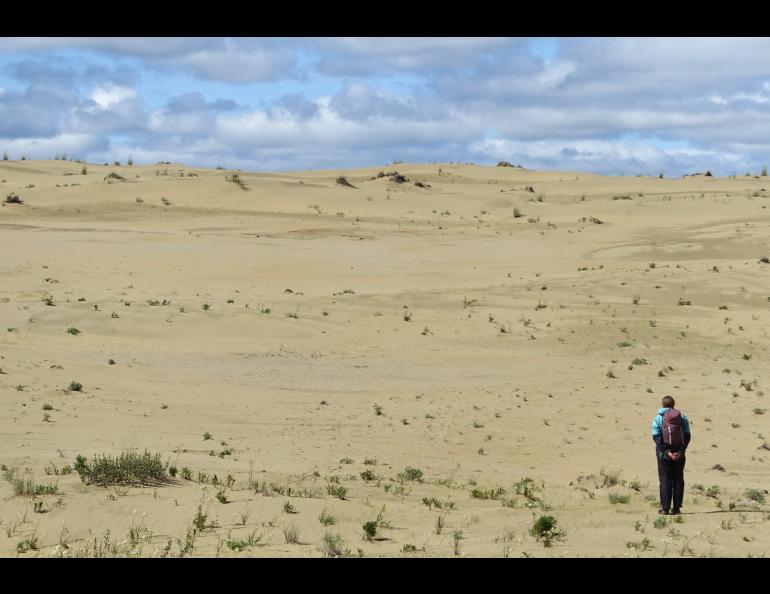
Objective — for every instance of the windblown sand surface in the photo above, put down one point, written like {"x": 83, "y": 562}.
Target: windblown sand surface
{"x": 502, "y": 373}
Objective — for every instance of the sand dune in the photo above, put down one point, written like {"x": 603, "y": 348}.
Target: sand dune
{"x": 278, "y": 317}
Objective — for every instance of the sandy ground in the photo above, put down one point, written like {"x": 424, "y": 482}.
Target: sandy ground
{"x": 501, "y": 373}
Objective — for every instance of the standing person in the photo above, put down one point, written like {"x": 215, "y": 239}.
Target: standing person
{"x": 671, "y": 433}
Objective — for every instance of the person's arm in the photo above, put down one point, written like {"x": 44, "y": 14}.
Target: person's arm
{"x": 687, "y": 434}
{"x": 657, "y": 437}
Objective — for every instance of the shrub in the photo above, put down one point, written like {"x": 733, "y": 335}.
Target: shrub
{"x": 334, "y": 546}
{"x": 336, "y": 491}
{"x": 130, "y": 468}
{"x": 370, "y": 529}
{"x": 326, "y": 518}
{"x": 755, "y": 494}
{"x": 76, "y": 387}
{"x": 13, "y": 198}
{"x": 410, "y": 474}
{"x": 368, "y": 475}
{"x": 545, "y": 529}
{"x": 72, "y": 330}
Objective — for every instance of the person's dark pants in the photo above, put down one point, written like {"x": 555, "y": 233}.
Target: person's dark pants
{"x": 671, "y": 476}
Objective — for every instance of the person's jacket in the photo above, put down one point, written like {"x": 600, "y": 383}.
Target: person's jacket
{"x": 657, "y": 434}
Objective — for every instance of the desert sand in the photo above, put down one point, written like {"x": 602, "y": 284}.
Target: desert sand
{"x": 317, "y": 331}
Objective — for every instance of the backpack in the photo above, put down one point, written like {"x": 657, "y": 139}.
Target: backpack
{"x": 673, "y": 432}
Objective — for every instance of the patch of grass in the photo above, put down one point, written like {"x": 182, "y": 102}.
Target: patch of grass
{"x": 130, "y": 468}
{"x": 643, "y": 545}
{"x": 288, "y": 508}
{"x": 334, "y": 546}
{"x": 326, "y": 518}
{"x": 337, "y": 491}
{"x": 619, "y": 498}
{"x": 755, "y": 495}
{"x": 75, "y": 387}
{"x": 660, "y": 522}
{"x": 432, "y": 502}
{"x": 72, "y": 330}
{"x": 29, "y": 544}
{"x": 410, "y": 474}
{"x": 493, "y": 494}
{"x": 236, "y": 179}
{"x": 291, "y": 534}
{"x": 368, "y": 475}
{"x": 242, "y": 544}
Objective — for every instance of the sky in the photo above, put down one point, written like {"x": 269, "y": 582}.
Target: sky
{"x": 614, "y": 106}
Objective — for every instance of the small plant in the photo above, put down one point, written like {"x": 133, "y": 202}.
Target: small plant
{"x": 207, "y": 436}
{"x": 378, "y": 410}
{"x": 643, "y": 545}
{"x": 439, "y": 525}
{"x": 545, "y": 529}
{"x": 409, "y": 548}
{"x": 370, "y": 530}
{"x": 288, "y": 508}
{"x": 326, "y": 518}
{"x": 334, "y": 546}
{"x": 47, "y": 406}
{"x": 755, "y": 494}
{"x": 618, "y": 498}
{"x": 72, "y": 330}
{"x": 457, "y": 536}
{"x": 186, "y": 473}
{"x": 337, "y": 491}
{"x": 221, "y": 497}
{"x": 410, "y": 474}
{"x": 29, "y": 544}
{"x": 13, "y": 198}
{"x": 75, "y": 387}
{"x": 206, "y": 307}
{"x": 659, "y": 522}
{"x": 368, "y": 475}
{"x": 291, "y": 534}
{"x": 517, "y": 214}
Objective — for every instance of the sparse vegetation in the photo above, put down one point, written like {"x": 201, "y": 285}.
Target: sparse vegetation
{"x": 129, "y": 468}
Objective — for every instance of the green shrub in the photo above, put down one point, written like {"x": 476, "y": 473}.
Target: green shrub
{"x": 130, "y": 468}
{"x": 618, "y": 498}
{"x": 755, "y": 495}
{"x": 75, "y": 387}
{"x": 370, "y": 529}
{"x": 410, "y": 474}
{"x": 545, "y": 529}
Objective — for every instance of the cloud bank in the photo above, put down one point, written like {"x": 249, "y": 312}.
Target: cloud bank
{"x": 612, "y": 106}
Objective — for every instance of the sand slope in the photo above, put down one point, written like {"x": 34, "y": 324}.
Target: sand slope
{"x": 500, "y": 374}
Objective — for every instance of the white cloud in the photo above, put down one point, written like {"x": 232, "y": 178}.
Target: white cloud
{"x": 109, "y": 95}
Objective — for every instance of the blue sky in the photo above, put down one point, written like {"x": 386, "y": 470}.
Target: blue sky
{"x": 608, "y": 105}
